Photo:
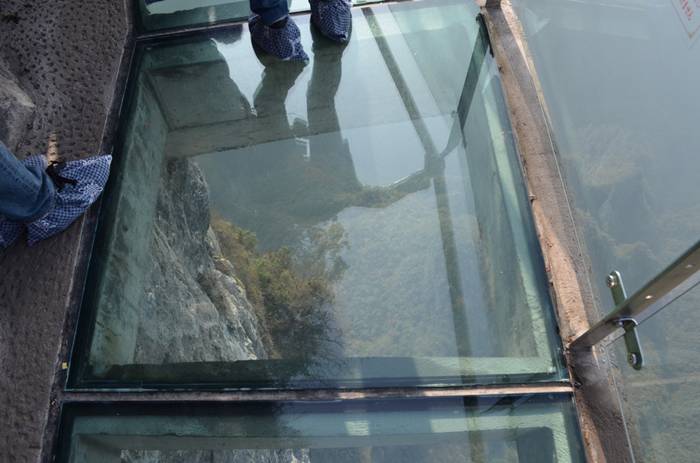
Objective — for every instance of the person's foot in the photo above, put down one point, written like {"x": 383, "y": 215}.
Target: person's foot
{"x": 282, "y": 39}
{"x": 333, "y": 18}
{"x": 78, "y": 184}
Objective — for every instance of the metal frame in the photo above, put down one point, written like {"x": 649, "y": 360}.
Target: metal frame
{"x": 319, "y": 394}
{"x": 676, "y": 280}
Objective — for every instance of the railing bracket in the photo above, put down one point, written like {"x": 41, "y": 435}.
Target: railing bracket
{"x": 673, "y": 282}
{"x": 634, "y": 350}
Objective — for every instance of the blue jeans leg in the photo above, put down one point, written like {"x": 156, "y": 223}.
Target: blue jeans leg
{"x": 270, "y": 10}
{"x": 26, "y": 193}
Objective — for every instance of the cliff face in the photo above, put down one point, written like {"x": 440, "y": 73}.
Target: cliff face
{"x": 217, "y": 456}
{"x": 195, "y": 309}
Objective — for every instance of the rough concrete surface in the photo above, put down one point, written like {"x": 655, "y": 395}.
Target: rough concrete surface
{"x": 16, "y": 108}
{"x": 65, "y": 57}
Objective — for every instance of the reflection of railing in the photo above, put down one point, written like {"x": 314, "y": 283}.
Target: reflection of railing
{"x": 435, "y": 164}
{"x": 676, "y": 280}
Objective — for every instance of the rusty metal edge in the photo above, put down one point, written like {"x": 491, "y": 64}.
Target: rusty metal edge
{"x": 600, "y": 414}
{"x": 318, "y": 394}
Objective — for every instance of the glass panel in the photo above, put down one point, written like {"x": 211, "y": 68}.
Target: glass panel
{"x": 620, "y": 82}
{"x": 489, "y": 430}
{"x": 156, "y": 15}
{"x": 662, "y": 400}
{"x": 361, "y": 221}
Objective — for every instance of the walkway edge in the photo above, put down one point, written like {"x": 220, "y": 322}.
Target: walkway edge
{"x": 600, "y": 416}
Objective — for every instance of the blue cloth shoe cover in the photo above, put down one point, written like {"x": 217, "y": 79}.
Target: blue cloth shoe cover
{"x": 333, "y": 18}
{"x": 89, "y": 177}
{"x": 283, "y": 43}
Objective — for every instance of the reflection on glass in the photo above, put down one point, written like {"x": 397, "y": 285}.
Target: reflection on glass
{"x": 489, "y": 430}
{"x": 359, "y": 221}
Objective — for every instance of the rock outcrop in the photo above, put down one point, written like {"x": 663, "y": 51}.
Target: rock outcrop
{"x": 218, "y": 456}
{"x": 195, "y": 308}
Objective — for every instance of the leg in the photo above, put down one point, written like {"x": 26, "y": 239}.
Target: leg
{"x": 333, "y": 18}
{"x": 270, "y": 11}
{"x": 26, "y": 193}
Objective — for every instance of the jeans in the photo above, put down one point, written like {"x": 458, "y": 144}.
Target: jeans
{"x": 270, "y": 10}
{"x": 26, "y": 193}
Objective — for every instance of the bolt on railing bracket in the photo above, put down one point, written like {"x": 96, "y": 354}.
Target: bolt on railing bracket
{"x": 634, "y": 350}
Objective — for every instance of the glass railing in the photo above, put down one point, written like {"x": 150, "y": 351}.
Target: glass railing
{"x": 657, "y": 333}
{"x": 619, "y": 81}
{"x": 662, "y": 400}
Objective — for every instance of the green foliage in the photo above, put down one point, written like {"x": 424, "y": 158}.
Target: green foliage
{"x": 322, "y": 249}
{"x": 238, "y": 246}
{"x": 289, "y": 298}
{"x": 292, "y": 304}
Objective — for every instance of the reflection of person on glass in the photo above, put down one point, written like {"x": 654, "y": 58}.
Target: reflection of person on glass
{"x": 303, "y": 174}
{"x": 305, "y": 177}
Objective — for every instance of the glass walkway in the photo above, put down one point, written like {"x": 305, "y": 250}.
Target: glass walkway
{"x": 359, "y": 222}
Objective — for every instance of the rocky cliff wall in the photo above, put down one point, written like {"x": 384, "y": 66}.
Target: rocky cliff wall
{"x": 195, "y": 309}
{"x": 218, "y": 456}
{"x": 165, "y": 295}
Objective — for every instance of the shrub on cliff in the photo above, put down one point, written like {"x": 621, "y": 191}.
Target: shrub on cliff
{"x": 289, "y": 299}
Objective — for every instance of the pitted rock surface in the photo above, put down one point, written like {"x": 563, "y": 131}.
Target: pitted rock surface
{"x": 16, "y": 108}
{"x": 64, "y": 56}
